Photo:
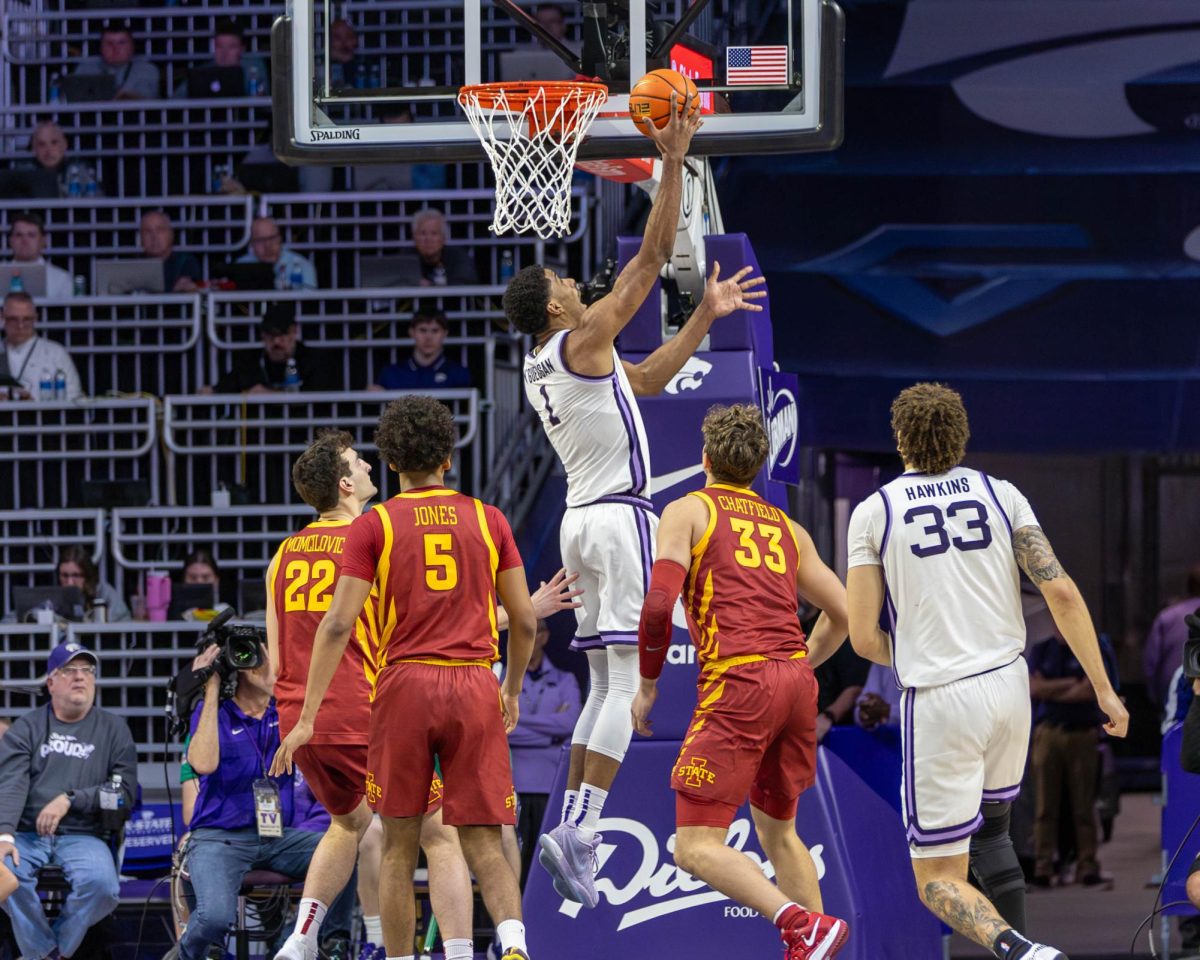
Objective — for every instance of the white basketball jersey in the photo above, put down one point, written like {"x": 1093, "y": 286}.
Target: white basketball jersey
{"x": 952, "y": 587}
{"x": 593, "y": 424}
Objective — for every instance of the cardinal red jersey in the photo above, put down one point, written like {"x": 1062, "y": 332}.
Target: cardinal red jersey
{"x": 304, "y": 574}
{"x": 434, "y": 554}
{"x": 740, "y": 592}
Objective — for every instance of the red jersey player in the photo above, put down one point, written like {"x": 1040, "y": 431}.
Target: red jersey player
{"x": 438, "y": 559}
{"x": 740, "y": 563}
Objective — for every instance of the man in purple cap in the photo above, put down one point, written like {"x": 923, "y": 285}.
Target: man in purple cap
{"x": 54, "y": 761}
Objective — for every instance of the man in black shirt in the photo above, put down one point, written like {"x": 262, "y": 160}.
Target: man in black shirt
{"x": 284, "y": 363}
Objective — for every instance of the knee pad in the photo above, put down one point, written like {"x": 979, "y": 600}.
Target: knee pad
{"x": 993, "y": 859}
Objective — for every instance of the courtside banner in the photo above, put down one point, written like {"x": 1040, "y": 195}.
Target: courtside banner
{"x": 649, "y": 908}
{"x": 777, "y": 392}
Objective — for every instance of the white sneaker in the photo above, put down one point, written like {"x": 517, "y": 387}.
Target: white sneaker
{"x": 297, "y": 948}
{"x": 1041, "y": 951}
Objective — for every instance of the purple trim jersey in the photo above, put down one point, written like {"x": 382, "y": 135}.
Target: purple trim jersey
{"x": 593, "y": 423}
{"x": 952, "y": 586}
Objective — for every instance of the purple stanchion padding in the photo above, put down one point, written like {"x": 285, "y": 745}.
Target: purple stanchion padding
{"x": 1182, "y": 791}
{"x": 648, "y": 908}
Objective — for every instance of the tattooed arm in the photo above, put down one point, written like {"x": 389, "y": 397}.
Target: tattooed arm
{"x": 1036, "y": 557}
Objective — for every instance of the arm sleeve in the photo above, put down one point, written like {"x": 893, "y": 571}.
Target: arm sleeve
{"x": 654, "y": 629}
{"x": 15, "y": 754}
{"x": 360, "y": 556}
{"x": 861, "y": 539}
{"x": 502, "y": 535}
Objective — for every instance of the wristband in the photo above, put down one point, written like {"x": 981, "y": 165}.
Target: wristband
{"x": 7, "y": 838}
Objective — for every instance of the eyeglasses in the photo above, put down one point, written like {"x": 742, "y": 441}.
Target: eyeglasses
{"x": 86, "y": 670}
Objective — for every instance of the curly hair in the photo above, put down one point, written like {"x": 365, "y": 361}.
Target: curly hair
{"x": 736, "y": 442}
{"x": 318, "y": 470}
{"x": 930, "y": 425}
{"x": 526, "y": 299}
{"x": 416, "y": 434}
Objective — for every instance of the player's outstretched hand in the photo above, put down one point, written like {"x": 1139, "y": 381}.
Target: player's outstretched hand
{"x": 550, "y": 598}
{"x": 284, "y": 757}
{"x": 676, "y": 135}
{"x": 511, "y": 703}
{"x": 1118, "y": 716}
{"x": 722, "y": 297}
{"x": 643, "y": 703}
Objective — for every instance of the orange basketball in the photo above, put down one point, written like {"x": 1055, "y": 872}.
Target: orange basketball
{"x": 650, "y": 98}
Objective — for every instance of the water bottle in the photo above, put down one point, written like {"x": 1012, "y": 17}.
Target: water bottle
{"x": 296, "y": 279}
{"x": 74, "y": 181}
{"x": 253, "y": 82}
{"x": 291, "y": 377}
{"x": 16, "y": 284}
{"x": 46, "y": 387}
{"x": 90, "y": 187}
{"x": 99, "y": 610}
{"x": 112, "y": 804}
{"x": 80, "y": 285}
{"x": 218, "y": 177}
{"x": 60, "y": 385}
{"x": 360, "y": 77}
{"x": 55, "y": 94}
{"x": 376, "y": 77}
{"x": 507, "y": 267}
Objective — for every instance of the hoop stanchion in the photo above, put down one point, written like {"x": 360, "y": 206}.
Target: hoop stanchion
{"x": 531, "y": 133}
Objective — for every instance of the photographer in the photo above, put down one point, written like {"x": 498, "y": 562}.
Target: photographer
{"x": 1190, "y": 758}
{"x": 58, "y": 804}
{"x": 243, "y": 820}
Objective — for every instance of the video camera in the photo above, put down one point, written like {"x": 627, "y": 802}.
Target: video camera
{"x": 241, "y": 646}
{"x": 1191, "y": 647}
{"x": 600, "y": 285}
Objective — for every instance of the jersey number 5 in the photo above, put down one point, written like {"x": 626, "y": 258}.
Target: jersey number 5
{"x": 441, "y": 570}
{"x": 748, "y": 554}
{"x": 317, "y": 598}
{"x": 937, "y": 528}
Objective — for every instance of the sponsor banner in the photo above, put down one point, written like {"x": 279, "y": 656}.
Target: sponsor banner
{"x": 777, "y": 392}
{"x": 149, "y": 836}
{"x": 648, "y": 907}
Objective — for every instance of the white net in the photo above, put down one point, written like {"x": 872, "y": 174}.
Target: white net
{"x": 531, "y": 134}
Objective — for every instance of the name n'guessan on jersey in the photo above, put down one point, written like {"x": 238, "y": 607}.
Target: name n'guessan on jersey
{"x": 538, "y": 370}
{"x": 940, "y": 489}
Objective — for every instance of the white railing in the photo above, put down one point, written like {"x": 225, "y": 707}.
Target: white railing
{"x": 31, "y": 540}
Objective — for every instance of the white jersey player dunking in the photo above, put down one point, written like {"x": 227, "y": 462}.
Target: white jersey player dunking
{"x": 939, "y": 552}
{"x": 586, "y": 398}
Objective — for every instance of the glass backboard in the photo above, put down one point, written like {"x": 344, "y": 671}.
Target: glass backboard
{"x": 379, "y": 80}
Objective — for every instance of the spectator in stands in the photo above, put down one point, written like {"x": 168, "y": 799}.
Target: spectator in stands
{"x": 428, "y": 368}
{"x": 29, "y": 358}
{"x": 554, "y": 19}
{"x": 346, "y": 67}
{"x": 181, "y": 271}
{"x": 200, "y": 567}
{"x": 550, "y": 705}
{"x": 48, "y": 144}
{"x": 267, "y": 370}
{"x": 292, "y": 271}
{"x": 879, "y": 704}
{"x": 1065, "y": 754}
{"x": 53, "y": 763}
{"x": 229, "y": 50}
{"x": 437, "y": 264}
{"x": 1163, "y": 653}
{"x": 840, "y": 680}
{"x": 233, "y": 743}
{"x": 27, "y": 240}
{"x": 136, "y": 77}
{"x": 76, "y": 569}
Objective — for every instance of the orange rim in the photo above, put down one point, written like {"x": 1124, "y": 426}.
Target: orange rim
{"x": 516, "y": 94}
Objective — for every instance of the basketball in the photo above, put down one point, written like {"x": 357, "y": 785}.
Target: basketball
{"x": 650, "y": 98}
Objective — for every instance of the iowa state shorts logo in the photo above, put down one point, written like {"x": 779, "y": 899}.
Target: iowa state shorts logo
{"x": 695, "y": 772}
{"x": 374, "y": 791}
{"x": 435, "y": 791}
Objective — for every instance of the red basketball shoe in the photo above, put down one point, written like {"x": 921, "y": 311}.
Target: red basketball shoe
{"x": 818, "y": 938}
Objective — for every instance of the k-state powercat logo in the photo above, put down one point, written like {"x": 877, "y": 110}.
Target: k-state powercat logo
{"x": 690, "y": 376}
{"x": 657, "y": 888}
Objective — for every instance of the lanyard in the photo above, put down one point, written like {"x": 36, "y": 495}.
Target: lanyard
{"x": 256, "y": 741}
{"x": 29, "y": 356}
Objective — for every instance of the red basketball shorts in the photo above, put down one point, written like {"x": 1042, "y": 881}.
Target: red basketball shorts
{"x": 754, "y": 733}
{"x": 454, "y": 712}
{"x": 336, "y": 773}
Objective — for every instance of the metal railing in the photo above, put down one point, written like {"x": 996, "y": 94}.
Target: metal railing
{"x": 31, "y": 540}
{"x": 50, "y": 447}
{"x": 246, "y": 441}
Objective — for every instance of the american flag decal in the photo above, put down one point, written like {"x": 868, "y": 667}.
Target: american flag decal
{"x": 756, "y": 65}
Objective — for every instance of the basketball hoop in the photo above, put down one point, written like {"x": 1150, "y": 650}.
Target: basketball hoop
{"x": 531, "y": 133}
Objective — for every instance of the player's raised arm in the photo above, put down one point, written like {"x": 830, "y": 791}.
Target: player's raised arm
{"x": 329, "y": 644}
{"x": 592, "y": 342}
{"x": 721, "y": 298}
{"x": 822, "y": 588}
{"x": 1036, "y": 557}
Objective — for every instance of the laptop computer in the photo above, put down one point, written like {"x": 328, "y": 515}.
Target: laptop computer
{"x": 89, "y": 88}
{"x": 33, "y": 277}
{"x": 116, "y": 278}
{"x": 533, "y": 63}
{"x": 66, "y": 602}
{"x": 247, "y": 276}
{"x": 393, "y": 270}
{"x": 189, "y": 596}
{"x": 252, "y": 595}
{"x": 213, "y": 83}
